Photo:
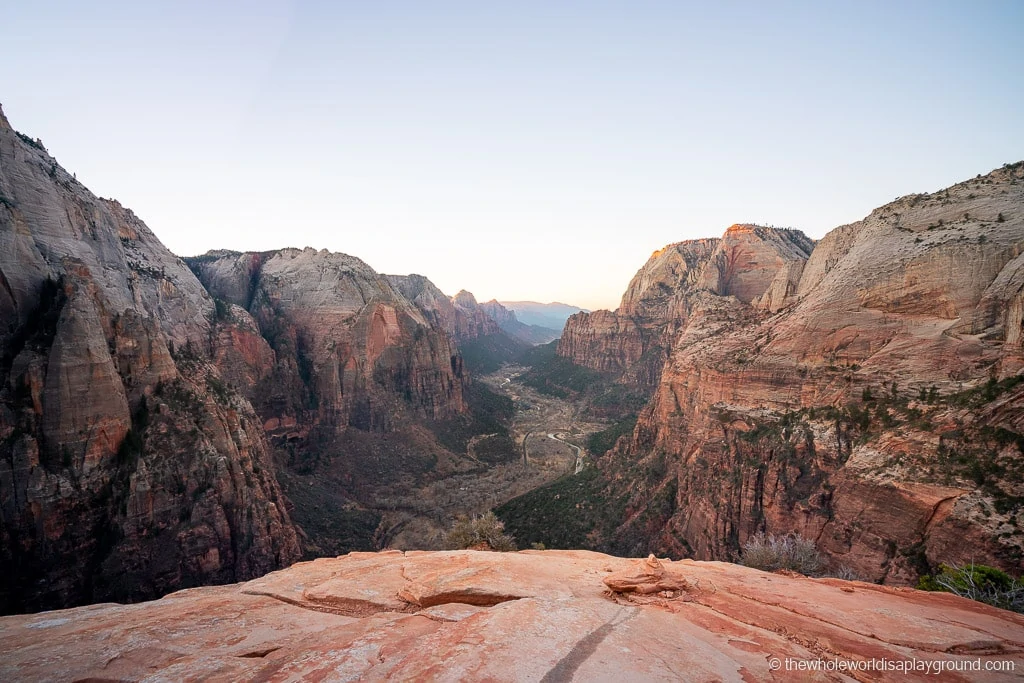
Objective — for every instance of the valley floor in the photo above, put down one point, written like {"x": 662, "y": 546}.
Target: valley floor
{"x": 550, "y": 435}
{"x": 547, "y": 440}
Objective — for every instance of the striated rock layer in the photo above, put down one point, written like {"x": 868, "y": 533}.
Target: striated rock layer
{"x": 364, "y": 386}
{"x": 127, "y": 467}
{"x": 533, "y": 615}
{"x": 349, "y": 349}
{"x": 460, "y": 316}
{"x": 864, "y": 393}
{"x": 750, "y": 263}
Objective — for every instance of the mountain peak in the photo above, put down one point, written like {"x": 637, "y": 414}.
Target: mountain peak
{"x": 464, "y": 298}
{"x": 736, "y": 228}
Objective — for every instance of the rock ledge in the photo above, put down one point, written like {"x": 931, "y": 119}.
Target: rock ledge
{"x": 532, "y": 615}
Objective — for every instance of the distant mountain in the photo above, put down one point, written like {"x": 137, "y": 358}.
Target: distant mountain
{"x": 510, "y": 323}
{"x": 484, "y": 345}
{"x": 552, "y": 315}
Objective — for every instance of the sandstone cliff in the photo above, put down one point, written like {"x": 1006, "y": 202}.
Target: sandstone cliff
{"x": 127, "y": 467}
{"x": 529, "y": 616}
{"x": 364, "y": 387}
{"x": 460, "y": 316}
{"x": 750, "y": 263}
{"x": 484, "y": 345}
{"x": 349, "y": 349}
{"x": 865, "y": 395}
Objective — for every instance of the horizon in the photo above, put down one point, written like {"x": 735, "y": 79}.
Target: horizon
{"x": 529, "y": 154}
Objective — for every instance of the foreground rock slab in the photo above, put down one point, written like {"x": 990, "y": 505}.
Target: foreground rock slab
{"x": 528, "y": 616}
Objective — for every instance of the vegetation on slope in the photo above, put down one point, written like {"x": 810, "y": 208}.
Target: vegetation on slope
{"x": 978, "y": 582}
{"x": 601, "y": 442}
{"x": 483, "y": 532}
{"x": 490, "y": 413}
{"x": 599, "y": 393}
{"x": 571, "y": 512}
{"x": 486, "y": 354}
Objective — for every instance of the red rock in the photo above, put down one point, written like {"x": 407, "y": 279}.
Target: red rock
{"x": 124, "y": 472}
{"x": 731, "y": 624}
{"x": 648, "y": 577}
{"x": 734, "y": 335}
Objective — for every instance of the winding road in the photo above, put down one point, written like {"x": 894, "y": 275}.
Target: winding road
{"x": 579, "y": 452}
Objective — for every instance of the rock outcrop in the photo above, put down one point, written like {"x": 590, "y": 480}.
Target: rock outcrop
{"x": 865, "y": 394}
{"x": 485, "y": 346}
{"x": 753, "y": 264}
{"x": 350, "y": 349}
{"x": 533, "y": 615}
{"x": 366, "y": 397}
{"x": 127, "y": 467}
{"x": 460, "y": 316}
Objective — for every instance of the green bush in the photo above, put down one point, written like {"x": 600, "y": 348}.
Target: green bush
{"x": 485, "y": 529}
{"x": 793, "y": 552}
{"x": 977, "y": 582}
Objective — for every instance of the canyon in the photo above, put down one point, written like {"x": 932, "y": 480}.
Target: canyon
{"x": 128, "y": 467}
{"x": 863, "y": 391}
{"x": 169, "y": 423}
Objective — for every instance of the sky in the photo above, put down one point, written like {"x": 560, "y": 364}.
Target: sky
{"x": 523, "y": 151}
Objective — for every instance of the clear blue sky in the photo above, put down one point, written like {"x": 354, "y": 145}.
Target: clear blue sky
{"x": 521, "y": 150}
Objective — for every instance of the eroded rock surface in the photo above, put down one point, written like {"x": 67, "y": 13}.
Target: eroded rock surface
{"x": 753, "y": 264}
{"x": 128, "y": 467}
{"x": 528, "y": 616}
{"x": 863, "y": 391}
{"x": 460, "y": 315}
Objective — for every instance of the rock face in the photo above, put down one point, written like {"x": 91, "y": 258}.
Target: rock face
{"x": 865, "y": 394}
{"x": 350, "y": 349}
{"x": 365, "y": 384}
{"x": 127, "y": 468}
{"x": 460, "y": 316}
{"x": 753, "y": 264}
{"x": 533, "y": 615}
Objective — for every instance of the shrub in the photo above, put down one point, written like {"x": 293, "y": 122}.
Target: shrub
{"x": 485, "y": 529}
{"x": 978, "y": 582}
{"x": 222, "y": 311}
{"x": 771, "y": 553}
{"x": 844, "y": 572}
{"x": 37, "y": 143}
